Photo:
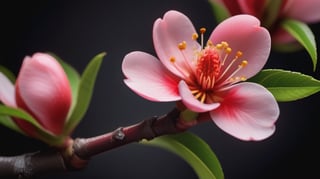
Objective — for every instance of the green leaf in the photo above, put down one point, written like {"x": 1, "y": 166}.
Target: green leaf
{"x": 287, "y": 85}
{"x": 220, "y": 12}
{"x": 7, "y": 122}
{"x": 271, "y": 13}
{"x": 193, "y": 150}
{"x": 84, "y": 93}
{"x": 44, "y": 135}
{"x": 303, "y": 34}
{"x": 8, "y": 74}
{"x": 19, "y": 113}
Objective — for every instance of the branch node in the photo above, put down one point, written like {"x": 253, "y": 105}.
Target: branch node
{"x": 118, "y": 134}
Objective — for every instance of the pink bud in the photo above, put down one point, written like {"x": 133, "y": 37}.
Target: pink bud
{"x": 43, "y": 90}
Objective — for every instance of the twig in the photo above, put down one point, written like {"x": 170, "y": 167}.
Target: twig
{"x": 77, "y": 155}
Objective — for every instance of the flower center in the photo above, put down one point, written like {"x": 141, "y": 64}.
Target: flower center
{"x": 210, "y": 69}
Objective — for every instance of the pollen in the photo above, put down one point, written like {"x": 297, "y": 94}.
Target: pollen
{"x": 243, "y": 63}
{"x": 209, "y": 43}
{"x": 203, "y": 30}
{"x": 195, "y": 36}
{"x": 228, "y": 50}
{"x": 238, "y": 54}
{"x": 172, "y": 59}
{"x": 182, "y": 45}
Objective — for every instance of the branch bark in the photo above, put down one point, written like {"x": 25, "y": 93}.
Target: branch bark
{"x": 77, "y": 155}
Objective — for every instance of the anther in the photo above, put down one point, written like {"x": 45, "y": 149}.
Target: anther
{"x": 219, "y": 46}
{"x": 224, "y": 44}
{"x": 209, "y": 43}
{"x": 182, "y": 45}
{"x": 243, "y": 63}
{"x": 172, "y": 59}
{"x": 243, "y": 78}
{"x": 195, "y": 36}
{"x": 238, "y": 54}
{"x": 228, "y": 50}
{"x": 202, "y": 30}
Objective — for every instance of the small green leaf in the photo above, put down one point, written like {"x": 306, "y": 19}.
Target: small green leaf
{"x": 271, "y": 13}
{"x": 7, "y": 122}
{"x": 220, "y": 12}
{"x": 287, "y": 85}
{"x": 303, "y": 34}
{"x": 44, "y": 135}
{"x": 8, "y": 74}
{"x": 16, "y": 112}
{"x": 84, "y": 93}
{"x": 194, "y": 151}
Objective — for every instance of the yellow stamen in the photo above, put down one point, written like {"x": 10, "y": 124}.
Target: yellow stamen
{"x": 172, "y": 59}
{"x": 243, "y": 63}
{"x": 198, "y": 95}
{"x": 203, "y": 30}
{"x": 228, "y": 50}
{"x": 182, "y": 45}
{"x": 195, "y": 91}
{"x": 219, "y": 46}
{"x": 209, "y": 43}
{"x": 203, "y": 97}
{"x": 243, "y": 78}
{"x": 238, "y": 54}
{"x": 195, "y": 36}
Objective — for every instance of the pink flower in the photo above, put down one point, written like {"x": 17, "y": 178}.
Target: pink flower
{"x": 306, "y": 11}
{"x": 206, "y": 77}
{"x": 43, "y": 90}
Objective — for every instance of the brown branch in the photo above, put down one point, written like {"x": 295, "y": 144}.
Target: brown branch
{"x": 77, "y": 155}
{"x": 32, "y": 164}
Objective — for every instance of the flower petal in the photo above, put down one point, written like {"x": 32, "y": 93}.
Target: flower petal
{"x": 42, "y": 89}
{"x": 303, "y": 10}
{"x": 168, "y": 32}
{"x": 7, "y": 91}
{"x": 244, "y": 33}
{"x": 248, "y": 112}
{"x": 149, "y": 78}
{"x": 191, "y": 102}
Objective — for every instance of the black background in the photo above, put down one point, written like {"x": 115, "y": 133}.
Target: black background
{"x": 76, "y": 31}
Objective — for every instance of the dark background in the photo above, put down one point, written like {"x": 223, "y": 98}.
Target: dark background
{"x": 76, "y": 31}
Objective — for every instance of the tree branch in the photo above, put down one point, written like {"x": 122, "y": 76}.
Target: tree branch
{"x": 77, "y": 155}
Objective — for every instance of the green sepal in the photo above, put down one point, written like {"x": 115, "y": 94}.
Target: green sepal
{"x": 8, "y": 73}
{"x": 84, "y": 93}
{"x": 193, "y": 150}
{"x": 188, "y": 115}
{"x": 8, "y": 122}
{"x": 219, "y": 11}
{"x": 287, "y": 85}
{"x": 271, "y": 13}
{"x": 42, "y": 134}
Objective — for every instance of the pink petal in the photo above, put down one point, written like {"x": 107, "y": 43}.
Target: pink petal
{"x": 42, "y": 88}
{"x": 149, "y": 78}
{"x": 191, "y": 102}
{"x": 168, "y": 32}
{"x": 248, "y": 112}
{"x": 7, "y": 91}
{"x": 244, "y": 33}
{"x": 303, "y": 10}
